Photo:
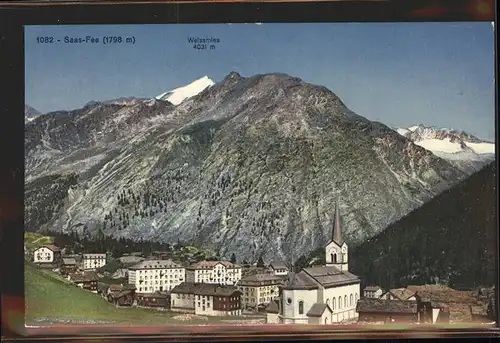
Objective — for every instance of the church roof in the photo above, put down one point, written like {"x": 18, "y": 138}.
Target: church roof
{"x": 300, "y": 280}
{"x": 329, "y": 276}
{"x": 325, "y": 276}
{"x": 318, "y": 309}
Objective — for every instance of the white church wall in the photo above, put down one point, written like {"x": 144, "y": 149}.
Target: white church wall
{"x": 291, "y": 299}
{"x": 342, "y": 312}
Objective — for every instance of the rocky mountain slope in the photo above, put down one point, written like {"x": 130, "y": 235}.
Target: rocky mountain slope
{"x": 248, "y": 165}
{"x": 461, "y": 149}
{"x": 451, "y": 239}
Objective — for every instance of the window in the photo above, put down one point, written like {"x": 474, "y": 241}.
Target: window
{"x": 334, "y": 258}
{"x": 340, "y": 302}
{"x": 350, "y": 300}
{"x": 328, "y": 302}
{"x": 333, "y": 303}
{"x": 301, "y": 307}
{"x": 345, "y": 301}
{"x": 356, "y": 297}
{"x": 288, "y": 301}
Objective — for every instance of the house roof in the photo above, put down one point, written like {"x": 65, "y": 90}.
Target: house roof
{"x": 84, "y": 276}
{"x": 69, "y": 261}
{"x": 278, "y": 265}
{"x": 211, "y": 264}
{"x": 155, "y": 264}
{"x": 115, "y": 288}
{"x": 153, "y": 295}
{"x": 372, "y": 288}
{"x": 443, "y": 294}
{"x": 119, "y": 294}
{"x": 204, "y": 289}
{"x": 261, "y": 279}
{"x": 401, "y": 293}
{"x": 94, "y": 255}
{"x": 386, "y": 306}
{"x": 318, "y": 309}
{"x": 273, "y": 307}
{"x": 52, "y": 247}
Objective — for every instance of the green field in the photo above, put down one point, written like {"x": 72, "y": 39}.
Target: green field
{"x": 35, "y": 240}
{"x": 50, "y": 299}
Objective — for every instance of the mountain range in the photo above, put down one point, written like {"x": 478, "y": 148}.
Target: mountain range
{"x": 461, "y": 149}
{"x": 251, "y": 165}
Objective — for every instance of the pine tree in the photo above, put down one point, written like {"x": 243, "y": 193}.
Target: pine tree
{"x": 233, "y": 258}
{"x": 260, "y": 262}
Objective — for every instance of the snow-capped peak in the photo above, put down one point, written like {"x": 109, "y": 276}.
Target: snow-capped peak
{"x": 180, "y": 94}
{"x": 30, "y": 113}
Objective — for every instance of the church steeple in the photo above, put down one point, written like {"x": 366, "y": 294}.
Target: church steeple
{"x": 337, "y": 231}
{"x": 337, "y": 251}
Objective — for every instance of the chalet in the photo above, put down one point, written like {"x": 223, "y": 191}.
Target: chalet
{"x": 372, "y": 310}
{"x": 86, "y": 280}
{"x": 279, "y": 268}
{"x": 206, "y": 299}
{"x": 372, "y": 292}
{"x": 47, "y": 255}
{"x": 215, "y": 272}
{"x": 158, "y": 300}
{"x": 93, "y": 261}
{"x": 68, "y": 266}
{"x": 259, "y": 289}
{"x": 120, "y": 295}
{"x": 439, "y": 303}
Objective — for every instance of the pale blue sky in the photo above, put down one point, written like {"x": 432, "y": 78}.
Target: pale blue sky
{"x": 401, "y": 74}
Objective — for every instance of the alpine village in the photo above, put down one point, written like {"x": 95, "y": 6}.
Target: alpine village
{"x": 277, "y": 293}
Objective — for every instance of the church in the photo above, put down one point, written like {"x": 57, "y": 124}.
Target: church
{"x": 320, "y": 294}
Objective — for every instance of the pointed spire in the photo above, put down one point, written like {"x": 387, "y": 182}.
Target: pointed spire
{"x": 337, "y": 232}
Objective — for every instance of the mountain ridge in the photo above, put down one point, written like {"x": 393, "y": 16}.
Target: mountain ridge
{"x": 250, "y": 165}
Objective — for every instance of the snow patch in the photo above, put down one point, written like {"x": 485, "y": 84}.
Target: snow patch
{"x": 444, "y": 145}
{"x": 180, "y": 94}
{"x": 482, "y": 148}
{"x": 402, "y": 132}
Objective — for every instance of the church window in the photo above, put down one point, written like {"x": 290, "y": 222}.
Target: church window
{"x": 301, "y": 307}
{"x": 350, "y": 300}
{"x": 334, "y": 258}
{"x": 333, "y": 303}
{"x": 345, "y": 301}
{"x": 340, "y": 302}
